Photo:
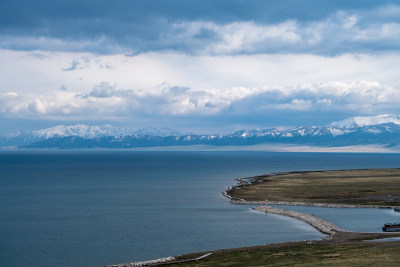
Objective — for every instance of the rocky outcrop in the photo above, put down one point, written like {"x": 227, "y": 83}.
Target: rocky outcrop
{"x": 144, "y": 263}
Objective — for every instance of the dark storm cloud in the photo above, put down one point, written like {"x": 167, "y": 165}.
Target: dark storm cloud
{"x": 140, "y": 26}
{"x": 25, "y": 14}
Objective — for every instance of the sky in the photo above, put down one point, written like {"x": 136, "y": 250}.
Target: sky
{"x": 210, "y": 66}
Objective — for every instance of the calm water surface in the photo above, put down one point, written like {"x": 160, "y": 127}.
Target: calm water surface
{"x": 97, "y": 208}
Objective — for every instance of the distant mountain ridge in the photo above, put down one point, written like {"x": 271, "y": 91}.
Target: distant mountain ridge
{"x": 80, "y": 131}
{"x": 355, "y": 122}
{"x": 381, "y": 129}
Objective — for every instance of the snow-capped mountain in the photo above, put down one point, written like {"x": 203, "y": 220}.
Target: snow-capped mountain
{"x": 356, "y": 122}
{"x": 85, "y": 131}
{"x": 381, "y": 129}
{"x": 81, "y": 131}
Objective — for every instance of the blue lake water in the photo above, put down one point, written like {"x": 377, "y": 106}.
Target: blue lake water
{"x": 98, "y": 208}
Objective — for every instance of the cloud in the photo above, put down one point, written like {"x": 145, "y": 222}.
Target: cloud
{"x": 207, "y": 62}
{"x": 224, "y": 91}
{"x": 295, "y": 104}
{"x": 37, "y": 106}
{"x": 104, "y": 90}
{"x": 238, "y": 37}
{"x": 381, "y": 32}
{"x": 22, "y": 73}
{"x": 80, "y": 63}
{"x": 203, "y": 27}
{"x": 105, "y": 101}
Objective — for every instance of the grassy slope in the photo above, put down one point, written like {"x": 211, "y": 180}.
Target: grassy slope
{"x": 382, "y": 254}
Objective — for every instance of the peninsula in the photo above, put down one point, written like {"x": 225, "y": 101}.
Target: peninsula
{"x": 339, "y": 188}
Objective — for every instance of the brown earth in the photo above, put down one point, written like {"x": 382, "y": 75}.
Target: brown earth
{"x": 359, "y": 187}
{"x": 342, "y": 249}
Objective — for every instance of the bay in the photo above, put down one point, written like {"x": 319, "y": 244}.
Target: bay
{"x": 73, "y": 208}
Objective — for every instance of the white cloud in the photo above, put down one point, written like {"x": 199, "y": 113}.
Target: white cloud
{"x": 295, "y": 104}
{"x": 11, "y": 94}
{"x": 174, "y": 86}
{"x": 380, "y": 32}
{"x": 350, "y": 22}
{"x": 37, "y": 106}
{"x": 104, "y": 89}
{"x": 241, "y": 37}
{"x": 340, "y": 33}
{"x": 357, "y": 97}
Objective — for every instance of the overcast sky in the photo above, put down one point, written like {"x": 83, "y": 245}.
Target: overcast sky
{"x": 208, "y": 66}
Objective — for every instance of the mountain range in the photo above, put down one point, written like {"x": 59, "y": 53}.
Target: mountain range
{"x": 377, "y": 130}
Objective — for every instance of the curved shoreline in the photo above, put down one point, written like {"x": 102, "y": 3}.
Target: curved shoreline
{"x": 319, "y": 224}
{"x": 308, "y": 204}
{"x": 247, "y": 181}
{"x": 298, "y": 203}
{"x": 335, "y": 234}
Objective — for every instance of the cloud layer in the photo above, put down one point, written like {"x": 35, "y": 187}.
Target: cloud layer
{"x": 205, "y": 27}
{"x": 105, "y": 101}
{"x": 198, "y": 64}
{"x": 160, "y": 88}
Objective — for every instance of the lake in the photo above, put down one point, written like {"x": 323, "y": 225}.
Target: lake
{"x": 73, "y": 208}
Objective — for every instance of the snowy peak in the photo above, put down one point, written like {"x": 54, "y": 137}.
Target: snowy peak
{"x": 86, "y": 131}
{"x": 255, "y": 133}
{"x": 151, "y": 131}
{"x": 296, "y": 132}
{"x": 356, "y": 122}
{"x": 381, "y": 129}
{"x": 80, "y": 130}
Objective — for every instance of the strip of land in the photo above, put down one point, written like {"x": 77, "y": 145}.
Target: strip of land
{"x": 343, "y": 188}
{"x": 323, "y": 226}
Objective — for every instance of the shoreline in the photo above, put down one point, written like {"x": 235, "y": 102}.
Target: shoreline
{"x": 248, "y": 181}
{"x": 323, "y": 226}
{"x": 335, "y": 235}
{"x": 308, "y": 204}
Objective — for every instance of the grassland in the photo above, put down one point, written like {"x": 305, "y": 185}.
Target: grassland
{"x": 383, "y": 254}
{"x": 360, "y": 187}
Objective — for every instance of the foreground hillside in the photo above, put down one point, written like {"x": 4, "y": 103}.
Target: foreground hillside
{"x": 351, "y": 254}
